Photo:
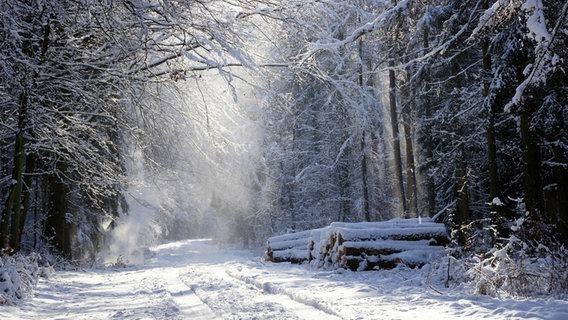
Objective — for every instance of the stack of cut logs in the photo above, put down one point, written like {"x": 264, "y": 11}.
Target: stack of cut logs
{"x": 291, "y": 247}
{"x": 364, "y": 245}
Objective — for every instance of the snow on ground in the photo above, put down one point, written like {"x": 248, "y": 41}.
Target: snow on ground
{"x": 196, "y": 280}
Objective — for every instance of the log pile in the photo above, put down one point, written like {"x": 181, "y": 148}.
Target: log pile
{"x": 364, "y": 245}
{"x": 384, "y": 245}
{"x": 291, "y": 247}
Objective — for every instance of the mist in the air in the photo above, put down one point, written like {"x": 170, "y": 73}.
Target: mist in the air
{"x": 199, "y": 183}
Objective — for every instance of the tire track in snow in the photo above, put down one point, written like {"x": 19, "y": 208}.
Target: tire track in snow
{"x": 130, "y": 293}
{"x": 228, "y": 299}
{"x": 232, "y": 298}
{"x": 189, "y": 303}
{"x": 271, "y": 288}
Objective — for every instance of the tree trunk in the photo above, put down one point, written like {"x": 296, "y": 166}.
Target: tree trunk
{"x": 27, "y": 193}
{"x": 561, "y": 173}
{"x": 343, "y": 183}
{"x": 491, "y": 113}
{"x": 532, "y": 180}
{"x": 490, "y": 134}
{"x": 399, "y": 186}
{"x": 427, "y": 132}
{"x": 410, "y": 168}
{"x": 411, "y": 190}
{"x": 463, "y": 212}
{"x": 57, "y": 211}
{"x": 364, "y": 175}
{"x": 12, "y": 215}
{"x": 365, "y": 178}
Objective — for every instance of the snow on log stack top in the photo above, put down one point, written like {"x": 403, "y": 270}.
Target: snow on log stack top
{"x": 363, "y": 245}
{"x": 291, "y": 247}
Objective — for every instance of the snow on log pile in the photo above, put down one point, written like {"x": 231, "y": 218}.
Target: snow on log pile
{"x": 384, "y": 245}
{"x": 291, "y": 247}
{"x": 297, "y": 247}
{"x": 364, "y": 245}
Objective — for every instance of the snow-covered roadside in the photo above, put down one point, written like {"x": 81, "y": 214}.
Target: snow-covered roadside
{"x": 196, "y": 280}
{"x": 388, "y": 294}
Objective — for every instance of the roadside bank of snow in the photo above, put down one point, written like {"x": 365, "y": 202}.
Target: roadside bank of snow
{"x": 389, "y": 294}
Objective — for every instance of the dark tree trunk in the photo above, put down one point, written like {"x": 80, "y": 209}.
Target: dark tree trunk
{"x": 399, "y": 186}
{"x": 561, "y": 173}
{"x": 490, "y": 134}
{"x": 365, "y": 178}
{"x": 364, "y": 174}
{"x": 411, "y": 191}
{"x": 410, "y": 168}
{"x": 12, "y": 216}
{"x": 343, "y": 184}
{"x": 56, "y": 221}
{"x": 532, "y": 180}
{"x": 462, "y": 196}
{"x": 427, "y": 132}
{"x": 27, "y": 194}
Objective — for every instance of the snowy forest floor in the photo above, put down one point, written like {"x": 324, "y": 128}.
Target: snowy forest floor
{"x": 196, "y": 280}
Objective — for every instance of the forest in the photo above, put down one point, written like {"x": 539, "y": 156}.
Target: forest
{"x": 162, "y": 120}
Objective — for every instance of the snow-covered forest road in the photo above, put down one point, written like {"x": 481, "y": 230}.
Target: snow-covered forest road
{"x": 196, "y": 280}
